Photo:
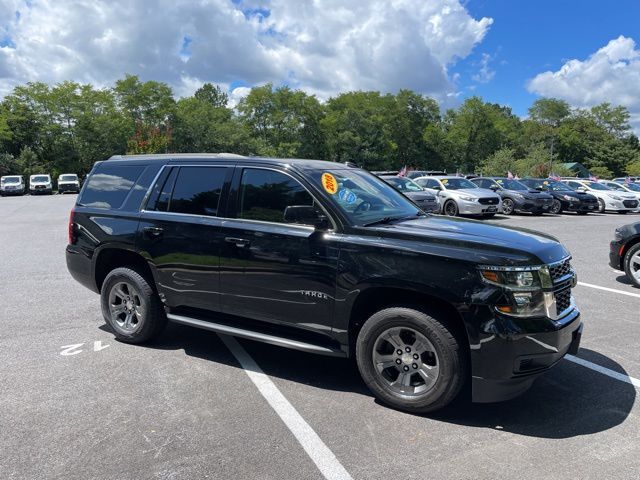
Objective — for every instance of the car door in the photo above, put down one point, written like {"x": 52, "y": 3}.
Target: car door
{"x": 180, "y": 234}
{"x": 273, "y": 270}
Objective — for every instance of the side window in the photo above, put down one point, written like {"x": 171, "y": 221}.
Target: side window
{"x": 482, "y": 183}
{"x": 265, "y": 195}
{"x": 197, "y": 190}
{"x": 159, "y": 200}
{"x": 110, "y": 184}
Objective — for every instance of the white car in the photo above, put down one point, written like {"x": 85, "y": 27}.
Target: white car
{"x": 608, "y": 199}
{"x": 68, "y": 182}
{"x": 40, "y": 183}
{"x": 631, "y": 187}
{"x": 12, "y": 185}
{"x": 459, "y": 196}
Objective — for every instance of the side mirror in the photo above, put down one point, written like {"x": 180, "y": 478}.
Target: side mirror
{"x": 494, "y": 188}
{"x": 436, "y": 187}
{"x": 306, "y": 215}
{"x": 540, "y": 188}
{"x": 581, "y": 189}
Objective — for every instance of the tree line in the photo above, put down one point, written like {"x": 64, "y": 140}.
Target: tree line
{"x": 69, "y": 126}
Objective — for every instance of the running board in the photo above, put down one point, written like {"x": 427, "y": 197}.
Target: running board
{"x": 253, "y": 335}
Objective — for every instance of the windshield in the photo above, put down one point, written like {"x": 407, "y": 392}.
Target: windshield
{"x": 552, "y": 185}
{"x": 457, "y": 184}
{"x": 615, "y": 186}
{"x": 40, "y": 178}
{"x": 511, "y": 184}
{"x": 633, "y": 186}
{"x": 68, "y": 178}
{"x": 596, "y": 186}
{"x": 404, "y": 184}
{"x": 363, "y": 197}
{"x": 11, "y": 180}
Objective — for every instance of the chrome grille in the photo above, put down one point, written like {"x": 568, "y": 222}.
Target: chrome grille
{"x": 563, "y": 300}
{"x": 488, "y": 201}
{"x": 559, "y": 270}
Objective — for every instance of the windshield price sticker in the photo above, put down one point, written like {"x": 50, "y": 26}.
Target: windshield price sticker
{"x": 329, "y": 183}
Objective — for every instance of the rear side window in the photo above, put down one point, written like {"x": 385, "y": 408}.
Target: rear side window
{"x": 110, "y": 184}
{"x": 197, "y": 190}
{"x": 265, "y": 194}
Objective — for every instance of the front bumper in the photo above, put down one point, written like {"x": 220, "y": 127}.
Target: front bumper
{"x": 19, "y": 191}
{"x": 476, "y": 208}
{"x": 621, "y": 205}
{"x": 579, "y": 206}
{"x": 530, "y": 205}
{"x": 71, "y": 187}
{"x": 41, "y": 191}
{"x": 506, "y": 362}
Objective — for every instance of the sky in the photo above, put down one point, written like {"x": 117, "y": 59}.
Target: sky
{"x": 506, "y": 51}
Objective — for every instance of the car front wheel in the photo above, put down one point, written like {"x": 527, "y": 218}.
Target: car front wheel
{"x": 450, "y": 208}
{"x": 410, "y": 359}
{"x": 507, "y": 206}
{"x": 602, "y": 207}
{"x": 556, "y": 208}
{"x": 131, "y": 307}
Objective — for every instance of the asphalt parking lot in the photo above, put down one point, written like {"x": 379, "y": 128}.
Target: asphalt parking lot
{"x": 75, "y": 403}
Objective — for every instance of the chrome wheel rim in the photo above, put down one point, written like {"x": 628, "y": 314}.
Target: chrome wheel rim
{"x": 126, "y": 307}
{"x": 405, "y": 361}
{"x": 507, "y": 207}
{"x": 634, "y": 266}
{"x": 450, "y": 209}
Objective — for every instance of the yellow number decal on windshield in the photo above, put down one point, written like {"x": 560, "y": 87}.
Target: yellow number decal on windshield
{"x": 329, "y": 183}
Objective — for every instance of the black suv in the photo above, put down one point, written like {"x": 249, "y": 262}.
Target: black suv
{"x": 516, "y": 196}
{"x": 325, "y": 258}
{"x": 565, "y": 198}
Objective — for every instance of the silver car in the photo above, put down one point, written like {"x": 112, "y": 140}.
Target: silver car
{"x": 459, "y": 196}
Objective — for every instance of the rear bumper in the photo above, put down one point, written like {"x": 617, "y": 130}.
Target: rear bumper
{"x": 506, "y": 364}
{"x": 80, "y": 267}
{"x": 615, "y": 257}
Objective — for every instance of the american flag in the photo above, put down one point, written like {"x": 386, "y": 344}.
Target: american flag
{"x": 403, "y": 171}
{"x": 553, "y": 176}
{"x": 510, "y": 175}
{"x": 627, "y": 180}
{"x": 592, "y": 178}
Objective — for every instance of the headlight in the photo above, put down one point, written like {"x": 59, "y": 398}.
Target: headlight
{"x": 468, "y": 199}
{"x": 518, "y": 196}
{"x": 567, "y": 198}
{"x": 524, "y": 288}
{"x": 615, "y": 197}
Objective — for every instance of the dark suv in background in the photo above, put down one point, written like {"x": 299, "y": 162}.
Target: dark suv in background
{"x": 426, "y": 200}
{"x": 325, "y": 258}
{"x": 565, "y": 198}
{"x": 516, "y": 196}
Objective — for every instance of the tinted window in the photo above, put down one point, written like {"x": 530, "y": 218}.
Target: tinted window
{"x": 265, "y": 194}
{"x": 164, "y": 195}
{"x": 197, "y": 190}
{"x": 110, "y": 184}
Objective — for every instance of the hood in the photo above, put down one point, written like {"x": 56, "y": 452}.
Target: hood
{"x": 475, "y": 241}
{"x": 68, "y": 181}
{"x": 530, "y": 194}
{"x": 420, "y": 196}
{"x": 475, "y": 192}
{"x": 625, "y": 195}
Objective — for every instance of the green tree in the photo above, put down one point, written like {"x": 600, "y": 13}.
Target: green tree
{"x": 614, "y": 120}
{"x": 8, "y": 164}
{"x": 499, "y": 163}
{"x": 213, "y": 95}
{"x": 286, "y": 121}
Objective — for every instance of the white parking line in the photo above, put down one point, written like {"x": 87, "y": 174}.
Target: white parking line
{"x": 607, "y": 289}
{"x": 605, "y": 371}
{"x": 324, "y": 458}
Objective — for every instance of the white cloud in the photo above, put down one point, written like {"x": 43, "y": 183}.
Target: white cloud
{"x": 612, "y": 74}
{"x": 322, "y": 47}
{"x": 485, "y": 73}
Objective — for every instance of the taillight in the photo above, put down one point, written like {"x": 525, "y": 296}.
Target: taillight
{"x": 72, "y": 234}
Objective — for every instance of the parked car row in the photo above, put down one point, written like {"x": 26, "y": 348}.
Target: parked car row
{"x": 486, "y": 196}
{"x": 38, "y": 184}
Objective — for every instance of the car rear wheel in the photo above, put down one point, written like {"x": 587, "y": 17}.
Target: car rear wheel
{"x": 556, "y": 208}
{"x": 450, "y": 208}
{"x": 131, "y": 307}
{"x": 601, "y": 206}
{"x": 507, "y": 206}
{"x": 632, "y": 264}
{"x": 410, "y": 360}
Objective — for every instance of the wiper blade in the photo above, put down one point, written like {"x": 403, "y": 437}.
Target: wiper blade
{"x": 386, "y": 220}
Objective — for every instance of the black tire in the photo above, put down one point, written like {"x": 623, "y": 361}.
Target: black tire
{"x": 556, "y": 207}
{"x": 448, "y": 356}
{"x": 628, "y": 267}
{"x": 582, "y": 212}
{"x": 508, "y": 206}
{"x": 488, "y": 215}
{"x": 602, "y": 207}
{"x": 450, "y": 208}
{"x": 623, "y": 212}
{"x": 150, "y": 320}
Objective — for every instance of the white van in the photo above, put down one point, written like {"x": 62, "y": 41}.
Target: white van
{"x": 12, "y": 185}
{"x": 40, "y": 183}
{"x": 68, "y": 182}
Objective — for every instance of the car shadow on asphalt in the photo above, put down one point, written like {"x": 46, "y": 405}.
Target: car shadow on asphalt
{"x": 569, "y": 400}
{"x": 624, "y": 280}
